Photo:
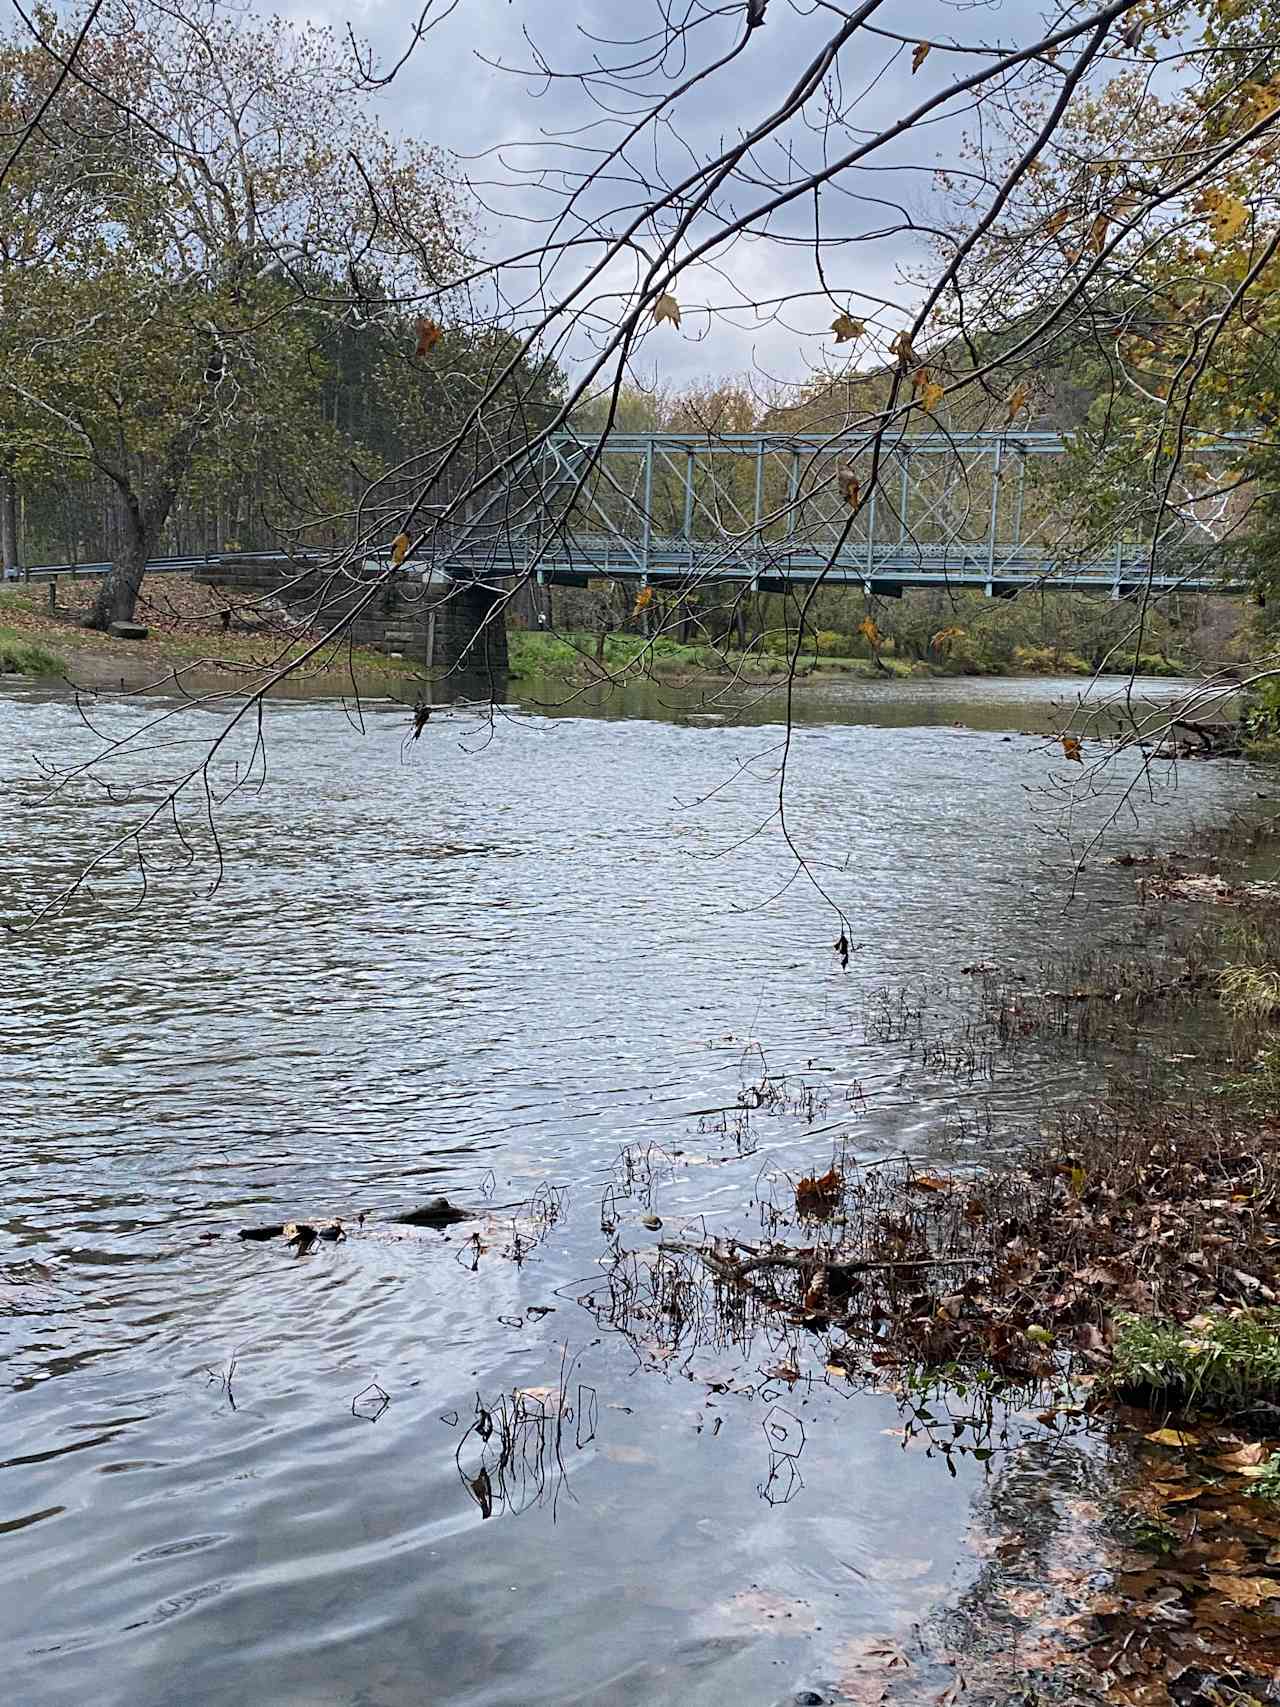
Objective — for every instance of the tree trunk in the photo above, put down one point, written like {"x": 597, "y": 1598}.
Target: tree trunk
{"x": 8, "y": 524}
{"x": 117, "y": 597}
{"x": 141, "y": 522}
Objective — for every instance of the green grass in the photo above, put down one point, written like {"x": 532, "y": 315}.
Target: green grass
{"x": 26, "y": 657}
{"x": 534, "y": 652}
{"x": 1222, "y": 1361}
{"x": 1266, "y": 1486}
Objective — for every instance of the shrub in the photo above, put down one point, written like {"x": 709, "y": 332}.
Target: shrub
{"x": 26, "y": 657}
{"x": 1212, "y": 1361}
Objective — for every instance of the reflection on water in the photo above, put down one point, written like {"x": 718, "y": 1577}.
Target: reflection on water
{"x": 532, "y": 965}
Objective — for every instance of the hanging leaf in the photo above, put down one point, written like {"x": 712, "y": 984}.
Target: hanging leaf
{"x": 927, "y": 388}
{"x": 643, "y": 599}
{"x": 1098, "y": 234}
{"x": 1071, "y": 749}
{"x": 1228, "y": 215}
{"x": 1228, "y": 219}
{"x": 941, "y": 641}
{"x": 1055, "y": 222}
{"x": 869, "y": 632}
{"x": 901, "y": 347}
{"x": 846, "y": 327}
{"x": 429, "y": 335}
{"x": 1261, "y": 99}
{"x": 399, "y": 549}
{"x": 920, "y": 55}
{"x": 666, "y": 308}
{"x": 847, "y": 481}
{"x": 1019, "y": 397}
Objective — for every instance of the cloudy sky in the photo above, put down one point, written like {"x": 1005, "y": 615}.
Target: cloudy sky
{"x": 472, "y": 85}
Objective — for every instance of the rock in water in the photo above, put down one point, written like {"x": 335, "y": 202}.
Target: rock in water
{"x": 438, "y": 1213}
{"x": 262, "y": 1232}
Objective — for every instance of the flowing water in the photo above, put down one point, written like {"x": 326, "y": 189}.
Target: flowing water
{"x": 554, "y": 967}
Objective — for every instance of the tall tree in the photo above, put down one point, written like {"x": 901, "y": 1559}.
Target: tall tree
{"x": 172, "y": 323}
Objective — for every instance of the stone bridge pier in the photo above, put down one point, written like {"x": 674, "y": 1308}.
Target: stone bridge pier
{"x": 453, "y": 628}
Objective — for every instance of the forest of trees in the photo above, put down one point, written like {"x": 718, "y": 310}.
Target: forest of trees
{"x": 215, "y": 313}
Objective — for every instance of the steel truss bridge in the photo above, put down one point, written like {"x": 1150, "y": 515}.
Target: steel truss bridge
{"x": 769, "y": 511}
{"x": 676, "y": 511}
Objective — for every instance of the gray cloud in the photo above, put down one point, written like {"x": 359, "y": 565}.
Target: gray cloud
{"x": 509, "y": 124}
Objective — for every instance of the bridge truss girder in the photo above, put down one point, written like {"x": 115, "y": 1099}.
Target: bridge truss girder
{"x": 772, "y": 511}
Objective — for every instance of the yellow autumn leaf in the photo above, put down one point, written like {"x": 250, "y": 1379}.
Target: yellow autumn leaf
{"x": 920, "y": 55}
{"x": 1261, "y": 99}
{"x": 1228, "y": 219}
{"x": 1072, "y": 750}
{"x": 846, "y": 327}
{"x": 666, "y": 308}
{"x": 1018, "y": 400}
{"x": 901, "y": 347}
{"x": 868, "y": 630}
{"x": 943, "y": 638}
{"x": 1172, "y": 1436}
{"x": 847, "y": 481}
{"x": 643, "y": 599}
{"x": 1098, "y": 234}
{"x": 399, "y": 549}
{"x": 927, "y": 388}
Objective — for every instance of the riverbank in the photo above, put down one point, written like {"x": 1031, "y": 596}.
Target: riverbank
{"x": 184, "y": 620}
{"x": 578, "y": 657}
{"x": 1115, "y": 1289}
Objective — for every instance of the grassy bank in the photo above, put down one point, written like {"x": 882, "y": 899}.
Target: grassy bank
{"x": 24, "y": 657}
{"x": 573, "y": 654}
{"x": 185, "y": 631}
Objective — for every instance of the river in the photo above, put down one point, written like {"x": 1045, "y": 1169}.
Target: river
{"x": 559, "y": 968}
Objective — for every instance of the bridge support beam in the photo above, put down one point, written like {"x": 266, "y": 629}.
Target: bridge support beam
{"x": 455, "y": 628}
{"x": 470, "y": 631}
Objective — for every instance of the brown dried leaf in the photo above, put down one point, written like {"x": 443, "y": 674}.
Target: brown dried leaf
{"x": 921, "y": 53}
{"x": 1173, "y": 1437}
{"x": 399, "y": 549}
{"x": 1243, "y": 1458}
{"x": 818, "y": 1195}
{"x": 1071, "y": 749}
{"x": 429, "y": 335}
{"x": 1246, "y": 1591}
{"x": 846, "y": 328}
{"x": 666, "y": 308}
